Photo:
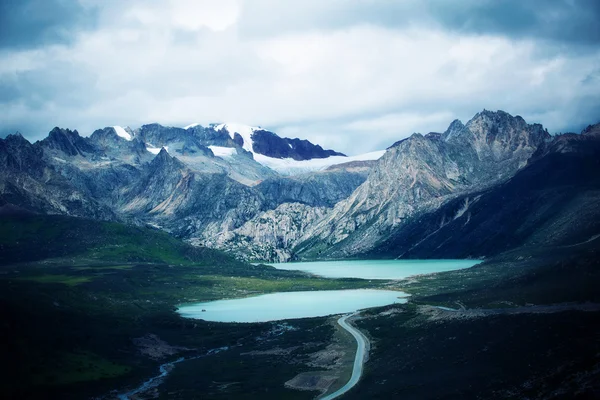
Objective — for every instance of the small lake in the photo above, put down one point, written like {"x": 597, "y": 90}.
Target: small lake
{"x": 290, "y": 305}
{"x": 376, "y": 269}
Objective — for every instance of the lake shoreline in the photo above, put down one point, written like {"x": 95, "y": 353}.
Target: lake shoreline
{"x": 291, "y": 305}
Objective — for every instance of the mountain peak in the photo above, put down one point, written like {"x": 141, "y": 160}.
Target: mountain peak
{"x": 194, "y": 125}
{"x": 163, "y": 155}
{"x": 67, "y": 141}
{"x": 62, "y": 131}
{"x": 245, "y": 131}
{"x": 457, "y": 123}
{"x": 453, "y": 130}
{"x": 164, "y": 162}
{"x": 592, "y": 130}
{"x": 501, "y": 113}
{"x": 16, "y": 137}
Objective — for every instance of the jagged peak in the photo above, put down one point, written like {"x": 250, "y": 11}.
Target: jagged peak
{"x": 592, "y": 130}
{"x": 434, "y": 136}
{"x": 165, "y": 161}
{"x": 159, "y": 126}
{"x": 414, "y": 137}
{"x": 454, "y": 128}
{"x": 499, "y": 118}
{"x": 163, "y": 154}
{"x": 16, "y": 137}
{"x": 457, "y": 123}
{"x": 58, "y": 132}
{"x": 163, "y": 158}
{"x": 493, "y": 115}
{"x": 67, "y": 141}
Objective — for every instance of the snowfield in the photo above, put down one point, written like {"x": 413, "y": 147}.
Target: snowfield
{"x": 283, "y": 166}
{"x": 289, "y": 166}
{"x": 123, "y": 133}
{"x": 223, "y": 152}
{"x": 245, "y": 132}
{"x": 155, "y": 150}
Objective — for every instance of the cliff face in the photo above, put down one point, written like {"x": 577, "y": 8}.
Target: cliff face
{"x": 269, "y": 236}
{"x": 321, "y": 189}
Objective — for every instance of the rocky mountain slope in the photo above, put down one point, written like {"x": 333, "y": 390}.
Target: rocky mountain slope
{"x": 196, "y": 183}
{"x": 269, "y": 236}
{"x": 553, "y": 201}
{"x": 415, "y": 176}
{"x": 320, "y": 189}
{"x": 421, "y": 173}
{"x": 213, "y": 187}
{"x": 28, "y": 179}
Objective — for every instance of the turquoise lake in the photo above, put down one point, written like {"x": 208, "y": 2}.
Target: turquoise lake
{"x": 376, "y": 269}
{"x": 289, "y": 305}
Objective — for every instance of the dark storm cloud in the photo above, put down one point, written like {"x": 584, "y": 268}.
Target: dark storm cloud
{"x": 562, "y": 20}
{"x": 573, "y": 21}
{"x": 32, "y": 23}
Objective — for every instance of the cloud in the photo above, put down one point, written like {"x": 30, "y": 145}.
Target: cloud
{"x": 561, "y": 20}
{"x": 32, "y": 23}
{"x": 350, "y": 76}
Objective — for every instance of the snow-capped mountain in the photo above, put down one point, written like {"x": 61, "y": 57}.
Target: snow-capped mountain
{"x": 233, "y": 145}
{"x": 249, "y": 191}
{"x": 420, "y": 173}
{"x": 415, "y": 176}
{"x": 196, "y": 182}
{"x": 283, "y": 155}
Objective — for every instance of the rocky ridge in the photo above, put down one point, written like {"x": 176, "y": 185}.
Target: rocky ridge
{"x": 172, "y": 178}
{"x": 165, "y": 177}
{"x": 419, "y": 174}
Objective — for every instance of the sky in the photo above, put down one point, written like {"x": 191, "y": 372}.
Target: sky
{"x": 354, "y": 76}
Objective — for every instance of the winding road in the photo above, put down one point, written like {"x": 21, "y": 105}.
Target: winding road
{"x": 359, "y": 359}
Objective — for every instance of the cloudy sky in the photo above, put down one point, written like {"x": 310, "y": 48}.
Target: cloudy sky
{"x": 350, "y": 75}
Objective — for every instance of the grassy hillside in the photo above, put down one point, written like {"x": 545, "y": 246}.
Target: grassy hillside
{"x": 31, "y": 237}
{"x": 526, "y": 326}
{"x": 78, "y": 297}
{"x": 80, "y": 324}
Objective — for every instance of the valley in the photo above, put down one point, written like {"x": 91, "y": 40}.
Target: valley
{"x": 125, "y": 269}
{"x": 84, "y": 301}
{"x": 299, "y": 200}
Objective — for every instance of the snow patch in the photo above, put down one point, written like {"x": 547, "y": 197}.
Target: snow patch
{"x": 223, "y": 152}
{"x": 191, "y": 125}
{"x": 245, "y": 132}
{"x": 156, "y": 150}
{"x": 285, "y": 166}
{"x": 122, "y": 133}
{"x": 289, "y": 166}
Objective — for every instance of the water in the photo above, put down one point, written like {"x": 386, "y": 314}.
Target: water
{"x": 289, "y": 305}
{"x": 163, "y": 370}
{"x": 376, "y": 269}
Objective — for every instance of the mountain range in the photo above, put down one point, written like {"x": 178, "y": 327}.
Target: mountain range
{"x": 475, "y": 190}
